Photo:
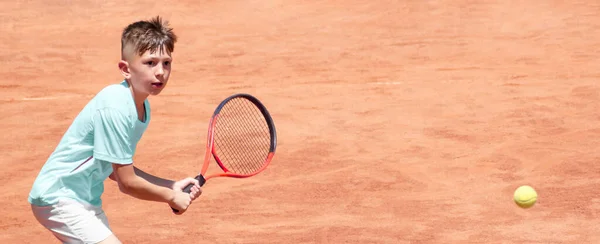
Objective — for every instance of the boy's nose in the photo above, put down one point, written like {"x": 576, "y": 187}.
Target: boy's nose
{"x": 160, "y": 70}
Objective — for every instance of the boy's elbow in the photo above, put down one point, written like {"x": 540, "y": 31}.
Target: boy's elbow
{"x": 125, "y": 177}
{"x": 126, "y": 186}
{"x": 112, "y": 176}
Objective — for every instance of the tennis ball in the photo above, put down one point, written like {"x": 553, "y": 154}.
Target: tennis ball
{"x": 525, "y": 196}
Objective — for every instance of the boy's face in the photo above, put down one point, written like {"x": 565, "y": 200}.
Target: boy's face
{"x": 148, "y": 73}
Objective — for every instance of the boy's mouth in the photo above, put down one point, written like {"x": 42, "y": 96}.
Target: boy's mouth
{"x": 157, "y": 84}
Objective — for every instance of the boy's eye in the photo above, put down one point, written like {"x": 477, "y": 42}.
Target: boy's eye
{"x": 167, "y": 63}
{"x": 150, "y": 63}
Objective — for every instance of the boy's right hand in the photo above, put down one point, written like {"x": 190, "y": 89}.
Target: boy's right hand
{"x": 181, "y": 202}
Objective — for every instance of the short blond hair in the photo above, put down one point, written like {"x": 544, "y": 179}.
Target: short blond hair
{"x": 148, "y": 35}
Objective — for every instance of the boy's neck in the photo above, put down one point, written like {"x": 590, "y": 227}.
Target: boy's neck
{"x": 137, "y": 98}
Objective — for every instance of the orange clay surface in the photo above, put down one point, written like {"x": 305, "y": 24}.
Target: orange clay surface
{"x": 398, "y": 121}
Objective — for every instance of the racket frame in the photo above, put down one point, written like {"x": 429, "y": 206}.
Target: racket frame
{"x": 210, "y": 149}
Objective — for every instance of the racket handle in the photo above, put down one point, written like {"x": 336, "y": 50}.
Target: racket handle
{"x": 188, "y": 188}
{"x": 200, "y": 180}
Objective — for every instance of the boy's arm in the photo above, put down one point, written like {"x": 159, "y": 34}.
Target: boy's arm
{"x": 154, "y": 179}
{"x": 141, "y": 185}
{"x": 137, "y": 186}
{"x": 151, "y": 178}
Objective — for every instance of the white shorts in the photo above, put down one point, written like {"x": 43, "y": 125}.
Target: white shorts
{"x": 74, "y": 222}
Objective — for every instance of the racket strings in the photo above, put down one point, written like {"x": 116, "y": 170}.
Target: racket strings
{"x": 240, "y": 147}
{"x": 242, "y": 138}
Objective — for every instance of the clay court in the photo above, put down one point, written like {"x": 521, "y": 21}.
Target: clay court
{"x": 397, "y": 121}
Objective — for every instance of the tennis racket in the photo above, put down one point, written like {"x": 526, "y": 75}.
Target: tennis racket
{"x": 241, "y": 139}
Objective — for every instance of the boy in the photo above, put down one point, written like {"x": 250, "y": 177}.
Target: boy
{"x": 101, "y": 142}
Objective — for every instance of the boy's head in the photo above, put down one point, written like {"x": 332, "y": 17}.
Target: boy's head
{"x": 146, "y": 48}
{"x": 152, "y": 35}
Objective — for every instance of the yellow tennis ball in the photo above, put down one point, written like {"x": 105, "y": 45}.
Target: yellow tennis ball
{"x": 525, "y": 196}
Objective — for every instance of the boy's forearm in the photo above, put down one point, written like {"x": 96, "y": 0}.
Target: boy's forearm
{"x": 153, "y": 179}
{"x": 142, "y": 189}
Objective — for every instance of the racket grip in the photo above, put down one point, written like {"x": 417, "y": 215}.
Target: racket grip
{"x": 200, "y": 180}
{"x": 188, "y": 188}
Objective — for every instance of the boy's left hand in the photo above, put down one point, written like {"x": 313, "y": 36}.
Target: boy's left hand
{"x": 195, "y": 192}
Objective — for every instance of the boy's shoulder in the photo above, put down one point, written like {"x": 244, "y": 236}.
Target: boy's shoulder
{"x": 114, "y": 96}
{"x": 114, "y": 89}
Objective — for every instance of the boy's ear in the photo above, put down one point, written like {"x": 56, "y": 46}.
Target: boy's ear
{"x": 124, "y": 68}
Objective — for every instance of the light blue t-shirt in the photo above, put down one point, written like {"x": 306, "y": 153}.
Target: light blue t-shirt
{"x": 106, "y": 131}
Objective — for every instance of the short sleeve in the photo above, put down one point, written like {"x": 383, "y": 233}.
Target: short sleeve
{"x": 112, "y": 137}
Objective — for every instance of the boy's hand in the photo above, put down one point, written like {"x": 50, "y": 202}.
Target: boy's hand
{"x": 181, "y": 201}
{"x": 195, "y": 191}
